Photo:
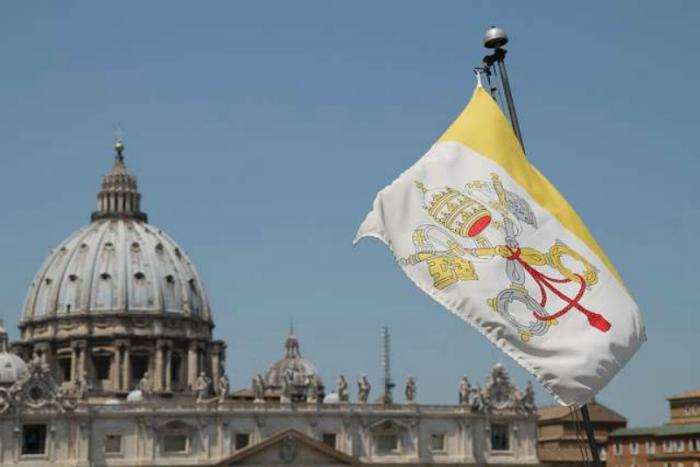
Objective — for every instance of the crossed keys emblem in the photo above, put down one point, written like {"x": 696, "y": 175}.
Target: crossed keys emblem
{"x": 482, "y": 224}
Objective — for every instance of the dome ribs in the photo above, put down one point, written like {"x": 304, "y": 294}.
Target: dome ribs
{"x": 117, "y": 266}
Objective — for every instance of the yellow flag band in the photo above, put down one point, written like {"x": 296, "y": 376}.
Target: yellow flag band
{"x": 483, "y": 128}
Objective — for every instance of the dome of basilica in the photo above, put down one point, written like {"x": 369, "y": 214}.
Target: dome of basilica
{"x": 119, "y": 304}
{"x": 118, "y": 263}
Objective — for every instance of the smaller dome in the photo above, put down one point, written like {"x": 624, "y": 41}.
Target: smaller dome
{"x": 11, "y": 366}
{"x": 301, "y": 369}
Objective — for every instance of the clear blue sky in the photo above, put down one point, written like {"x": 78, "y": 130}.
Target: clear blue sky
{"x": 261, "y": 131}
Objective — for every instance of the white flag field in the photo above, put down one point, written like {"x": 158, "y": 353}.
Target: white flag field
{"x": 478, "y": 228}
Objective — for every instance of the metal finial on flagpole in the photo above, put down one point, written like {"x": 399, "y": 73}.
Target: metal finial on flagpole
{"x": 495, "y": 38}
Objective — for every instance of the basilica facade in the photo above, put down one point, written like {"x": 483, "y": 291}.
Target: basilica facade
{"x": 117, "y": 366}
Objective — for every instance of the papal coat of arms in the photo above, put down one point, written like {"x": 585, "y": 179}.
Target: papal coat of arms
{"x": 482, "y": 224}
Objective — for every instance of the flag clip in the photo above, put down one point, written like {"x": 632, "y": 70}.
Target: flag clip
{"x": 477, "y": 72}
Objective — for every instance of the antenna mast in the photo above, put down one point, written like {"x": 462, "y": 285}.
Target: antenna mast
{"x": 386, "y": 365}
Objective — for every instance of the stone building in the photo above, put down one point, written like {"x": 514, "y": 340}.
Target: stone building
{"x": 675, "y": 444}
{"x": 562, "y": 440}
{"x": 117, "y": 366}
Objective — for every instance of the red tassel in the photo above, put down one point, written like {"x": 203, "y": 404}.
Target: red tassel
{"x": 598, "y": 322}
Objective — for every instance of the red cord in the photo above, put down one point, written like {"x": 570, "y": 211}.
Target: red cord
{"x": 594, "y": 319}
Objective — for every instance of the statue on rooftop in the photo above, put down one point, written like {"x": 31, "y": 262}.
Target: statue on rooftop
{"x": 464, "y": 390}
{"x": 341, "y": 387}
{"x": 410, "y": 390}
{"x": 478, "y": 400}
{"x": 258, "y": 388}
{"x": 145, "y": 385}
{"x": 202, "y": 387}
{"x": 312, "y": 389}
{"x": 363, "y": 388}
{"x": 287, "y": 386}
{"x": 526, "y": 400}
{"x": 224, "y": 386}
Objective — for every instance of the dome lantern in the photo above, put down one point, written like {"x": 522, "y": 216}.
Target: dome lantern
{"x": 119, "y": 196}
{"x": 291, "y": 345}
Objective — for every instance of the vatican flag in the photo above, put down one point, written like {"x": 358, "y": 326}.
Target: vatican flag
{"x": 478, "y": 228}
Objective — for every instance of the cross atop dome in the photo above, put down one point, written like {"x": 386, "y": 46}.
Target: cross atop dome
{"x": 119, "y": 147}
{"x": 119, "y": 196}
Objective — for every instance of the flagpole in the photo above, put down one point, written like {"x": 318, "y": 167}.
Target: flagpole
{"x": 495, "y": 38}
{"x": 591, "y": 435}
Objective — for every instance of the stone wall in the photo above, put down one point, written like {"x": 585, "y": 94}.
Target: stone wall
{"x": 152, "y": 432}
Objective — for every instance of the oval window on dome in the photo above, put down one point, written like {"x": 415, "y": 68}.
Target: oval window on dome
{"x": 105, "y": 276}
{"x": 73, "y": 278}
{"x": 160, "y": 248}
{"x": 170, "y": 279}
{"x": 84, "y": 247}
{"x": 135, "y": 246}
{"x": 109, "y": 246}
{"x": 139, "y": 276}
{"x": 48, "y": 281}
